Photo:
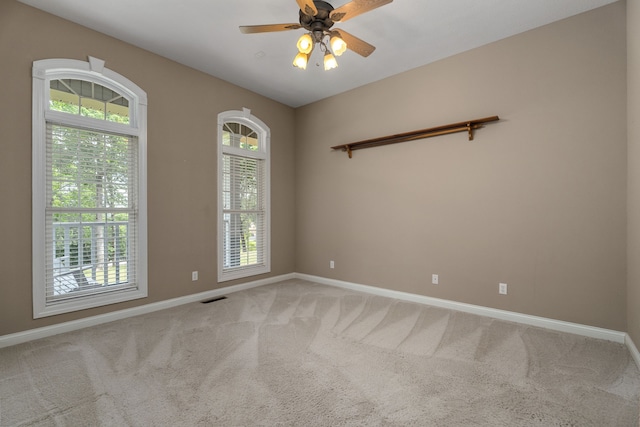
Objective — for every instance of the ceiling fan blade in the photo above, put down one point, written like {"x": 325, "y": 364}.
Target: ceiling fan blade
{"x": 355, "y": 44}
{"x": 307, "y": 7}
{"x": 355, "y": 8}
{"x": 251, "y": 29}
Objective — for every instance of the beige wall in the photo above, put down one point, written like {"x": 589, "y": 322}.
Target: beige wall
{"x": 538, "y": 200}
{"x": 633, "y": 115}
{"x": 183, "y": 108}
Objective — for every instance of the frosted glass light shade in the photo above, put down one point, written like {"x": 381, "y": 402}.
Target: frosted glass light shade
{"x": 329, "y": 61}
{"x": 338, "y": 46}
{"x": 301, "y": 60}
{"x": 305, "y": 44}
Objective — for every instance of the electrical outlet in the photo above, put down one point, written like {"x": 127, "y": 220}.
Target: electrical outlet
{"x": 502, "y": 288}
{"x": 332, "y": 264}
{"x": 194, "y": 276}
{"x": 434, "y": 279}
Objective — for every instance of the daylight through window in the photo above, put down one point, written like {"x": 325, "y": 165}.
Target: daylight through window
{"x": 244, "y": 196}
{"x": 89, "y": 193}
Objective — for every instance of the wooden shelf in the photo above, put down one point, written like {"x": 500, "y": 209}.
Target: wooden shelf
{"x": 467, "y": 126}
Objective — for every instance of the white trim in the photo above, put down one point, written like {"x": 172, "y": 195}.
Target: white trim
{"x": 96, "y": 64}
{"x": 143, "y": 244}
{"x": 94, "y": 301}
{"x": 90, "y": 123}
{"x": 246, "y": 118}
{"x": 38, "y": 183}
{"x": 69, "y": 66}
{"x": 51, "y": 69}
{"x": 556, "y": 325}
{"x": 526, "y": 319}
{"x": 43, "y": 72}
{"x": 633, "y": 349}
{"x": 263, "y": 153}
{"x": 48, "y": 331}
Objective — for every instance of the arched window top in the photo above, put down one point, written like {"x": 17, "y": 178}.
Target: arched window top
{"x": 238, "y": 135}
{"x": 242, "y": 133}
{"x": 89, "y": 99}
{"x": 89, "y": 90}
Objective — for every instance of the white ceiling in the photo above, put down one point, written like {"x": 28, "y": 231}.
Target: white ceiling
{"x": 203, "y": 34}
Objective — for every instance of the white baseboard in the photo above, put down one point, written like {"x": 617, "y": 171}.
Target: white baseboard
{"x": 556, "y": 325}
{"x": 542, "y": 322}
{"x": 633, "y": 350}
{"x": 47, "y": 331}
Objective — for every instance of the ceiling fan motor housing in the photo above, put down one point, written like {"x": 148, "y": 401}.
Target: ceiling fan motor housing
{"x": 320, "y": 22}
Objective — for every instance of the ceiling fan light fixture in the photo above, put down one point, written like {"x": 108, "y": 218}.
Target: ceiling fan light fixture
{"x": 329, "y": 61}
{"x": 338, "y": 45}
{"x": 301, "y": 60}
{"x": 317, "y": 17}
{"x": 305, "y": 44}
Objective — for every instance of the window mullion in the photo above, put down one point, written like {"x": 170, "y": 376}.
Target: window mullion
{"x": 89, "y": 123}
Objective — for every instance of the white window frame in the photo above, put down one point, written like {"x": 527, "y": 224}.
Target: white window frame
{"x": 262, "y": 153}
{"x": 92, "y": 70}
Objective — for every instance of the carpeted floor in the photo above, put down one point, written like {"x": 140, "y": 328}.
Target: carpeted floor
{"x": 303, "y": 354}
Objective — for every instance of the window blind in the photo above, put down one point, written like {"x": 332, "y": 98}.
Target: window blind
{"x": 91, "y": 215}
{"x": 244, "y": 212}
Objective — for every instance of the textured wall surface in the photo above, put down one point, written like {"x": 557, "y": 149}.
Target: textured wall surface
{"x": 633, "y": 117}
{"x": 182, "y": 171}
{"x": 537, "y": 201}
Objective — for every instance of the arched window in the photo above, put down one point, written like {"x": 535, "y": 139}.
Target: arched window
{"x": 243, "y": 196}
{"x": 89, "y": 187}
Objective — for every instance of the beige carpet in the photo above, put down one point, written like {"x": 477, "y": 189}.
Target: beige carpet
{"x": 302, "y": 354}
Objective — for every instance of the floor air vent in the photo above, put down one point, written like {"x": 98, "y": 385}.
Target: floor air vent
{"x": 213, "y": 300}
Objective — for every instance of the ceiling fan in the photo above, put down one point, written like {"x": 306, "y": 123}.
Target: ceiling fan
{"x": 318, "y": 17}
